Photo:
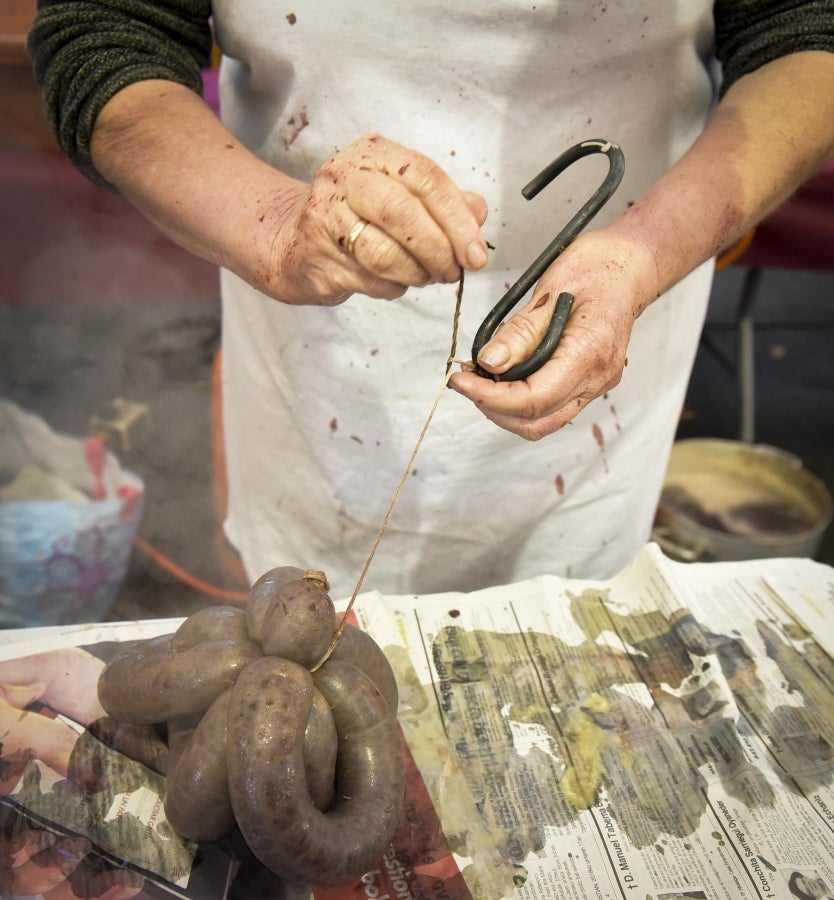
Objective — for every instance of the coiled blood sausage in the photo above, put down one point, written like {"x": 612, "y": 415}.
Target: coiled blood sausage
{"x": 303, "y": 758}
{"x": 270, "y": 796}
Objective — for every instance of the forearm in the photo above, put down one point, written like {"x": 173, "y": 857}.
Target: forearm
{"x": 166, "y": 152}
{"x": 773, "y": 130}
{"x": 173, "y": 159}
{"x": 86, "y": 51}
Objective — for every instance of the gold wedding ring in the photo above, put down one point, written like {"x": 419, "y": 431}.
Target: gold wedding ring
{"x": 354, "y": 236}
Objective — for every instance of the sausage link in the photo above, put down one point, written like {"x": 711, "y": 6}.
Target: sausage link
{"x": 209, "y": 624}
{"x": 150, "y": 682}
{"x": 270, "y": 705}
{"x": 298, "y": 624}
{"x": 179, "y": 734}
{"x": 140, "y": 742}
{"x": 359, "y": 649}
{"x": 196, "y": 799}
{"x": 261, "y": 595}
{"x": 321, "y": 744}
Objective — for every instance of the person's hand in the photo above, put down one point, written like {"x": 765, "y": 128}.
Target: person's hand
{"x": 64, "y": 679}
{"x": 420, "y": 228}
{"x": 166, "y": 152}
{"x": 613, "y": 279}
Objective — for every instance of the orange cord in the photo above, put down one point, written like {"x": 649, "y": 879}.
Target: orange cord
{"x": 186, "y": 577}
{"x": 218, "y": 593}
{"x": 736, "y": 251}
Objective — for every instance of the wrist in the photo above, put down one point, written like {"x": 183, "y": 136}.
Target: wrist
{"x": 164, "y": 149}
{"x": 636, "y": 255}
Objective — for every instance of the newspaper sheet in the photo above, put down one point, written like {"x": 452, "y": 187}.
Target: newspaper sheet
{"x": 663, "y": 734}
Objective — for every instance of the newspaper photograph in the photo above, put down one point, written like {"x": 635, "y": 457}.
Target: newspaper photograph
{"x": 666, "y": 733}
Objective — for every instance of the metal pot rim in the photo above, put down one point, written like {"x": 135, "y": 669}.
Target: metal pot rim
{"x": 675, "y": 525}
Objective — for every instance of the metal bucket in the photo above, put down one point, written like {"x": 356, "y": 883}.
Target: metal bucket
{"x": 727, "y": 500}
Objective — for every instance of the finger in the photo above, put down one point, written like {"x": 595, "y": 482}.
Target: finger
{"x": 517, "y": 338}
{"x": 543, "y": 394}
{"x": 361, "y": 281}
{"x": 332, "y": 279}
{"x": 514, "y": 407}
{"x": 459, "y": 214}
{"x": 413, "y": 200}
{"x": 536, "y": 429}
{"x": 477, "y": 205}
{"x": 326, "y": 290}
{"x": 416, "y": 237}
{"x": 376, "y": 252}
{"x": 509, "y": 399}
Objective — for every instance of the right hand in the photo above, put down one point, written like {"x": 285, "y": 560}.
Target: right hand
{"x": 166, "y": 152}
{"x": 421, "y": 228}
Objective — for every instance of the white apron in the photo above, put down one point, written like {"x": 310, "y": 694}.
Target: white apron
{"x": 323, "y": 406}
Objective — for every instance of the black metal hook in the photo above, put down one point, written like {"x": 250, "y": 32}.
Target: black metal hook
{"x": 542, "y": 353}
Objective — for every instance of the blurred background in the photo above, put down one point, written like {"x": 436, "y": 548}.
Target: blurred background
{"x": 107, "y": 328}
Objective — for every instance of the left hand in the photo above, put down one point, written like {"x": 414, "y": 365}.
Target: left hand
{"x": 613, "y": 279}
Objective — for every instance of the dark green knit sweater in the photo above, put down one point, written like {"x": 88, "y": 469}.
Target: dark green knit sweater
{"x": 84, "y": 51}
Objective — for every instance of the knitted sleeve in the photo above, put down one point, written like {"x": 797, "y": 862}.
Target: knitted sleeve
{"x": 750, "y": 33}
{"x": 85, "y": 51}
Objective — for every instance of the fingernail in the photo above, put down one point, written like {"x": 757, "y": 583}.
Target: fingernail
{"x": 476, "y": 254}
{"x": 494, "y": 355}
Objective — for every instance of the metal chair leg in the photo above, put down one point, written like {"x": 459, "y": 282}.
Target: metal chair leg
{"x": 745, "y": 363}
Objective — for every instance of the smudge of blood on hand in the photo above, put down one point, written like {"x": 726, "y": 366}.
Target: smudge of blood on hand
{"x": 403, "y": 169}
{"x": 560, "y": 485}
{"x": 542, "y": 300}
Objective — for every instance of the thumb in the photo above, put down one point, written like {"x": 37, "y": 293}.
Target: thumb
{"x": 517, "y": 338}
